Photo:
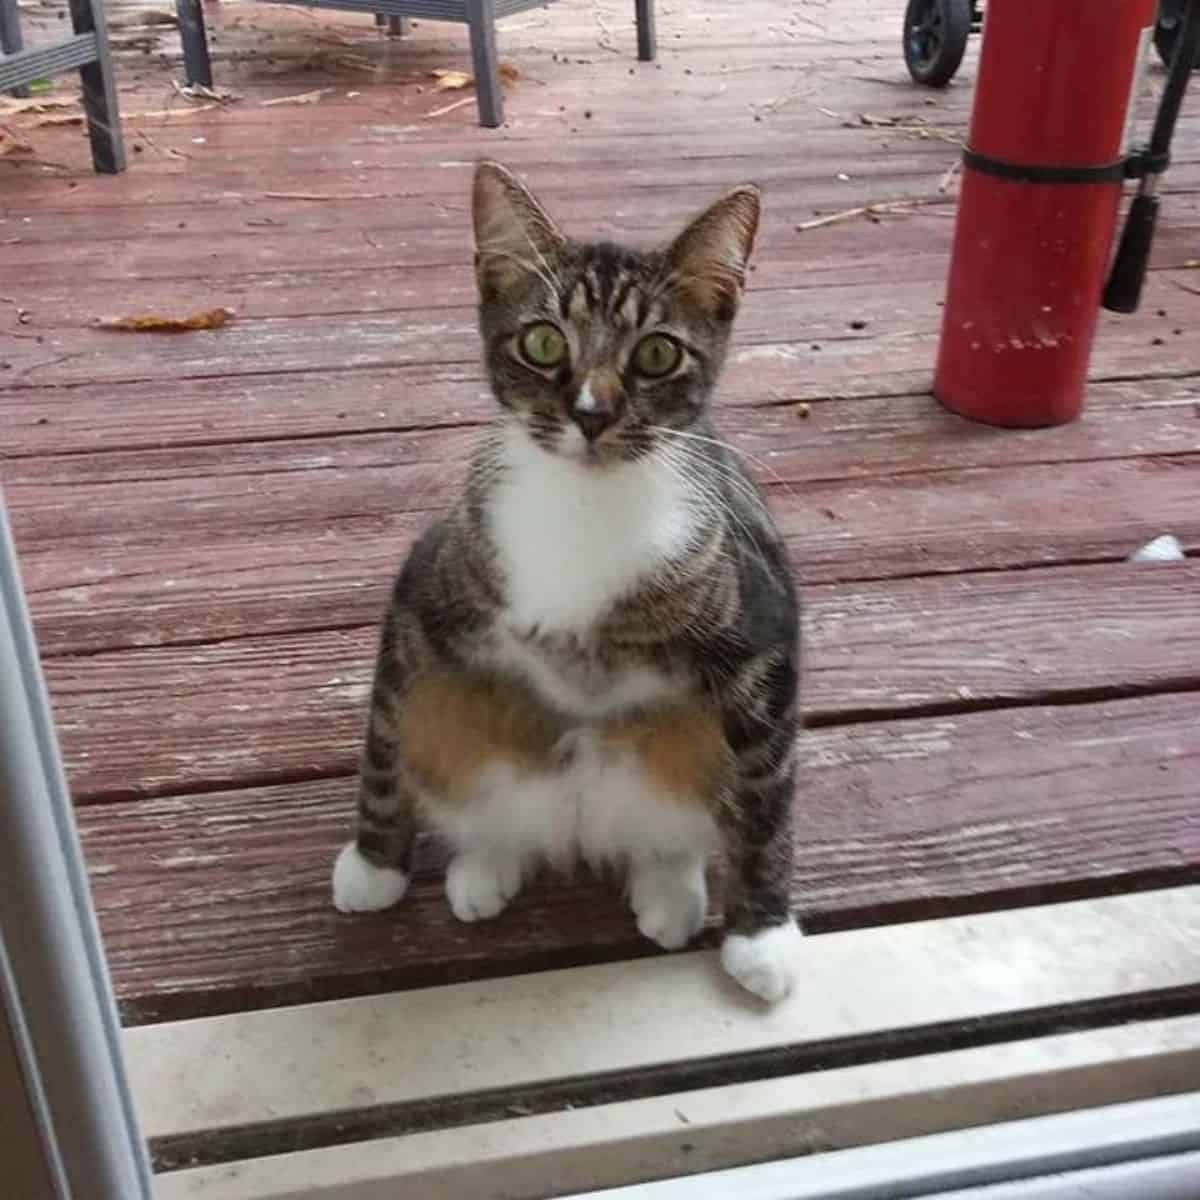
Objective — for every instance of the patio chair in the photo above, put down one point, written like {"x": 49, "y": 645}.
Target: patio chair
{"x": 478, "y": 15}
{"x": 87, "y": 49}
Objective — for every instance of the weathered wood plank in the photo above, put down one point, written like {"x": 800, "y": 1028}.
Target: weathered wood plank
{"x": 903, "y": 337}
{"x": 221, "y": 902}
{"x": 270, "y": 708}
{"x": 782, "y": 443}
{"x": 305, "y": 550}
{"x": 270, "y": 249}
{"x": 101, "y": 418}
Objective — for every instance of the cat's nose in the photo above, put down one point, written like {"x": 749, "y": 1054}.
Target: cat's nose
{"x": 595, "y": 409}
{"x": 592, "y": 423}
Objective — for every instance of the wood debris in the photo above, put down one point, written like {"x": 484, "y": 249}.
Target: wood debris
{"x": 212, "y": 318}
{"x": 11, "y": 144}
{"x": 448, "y": 108}
{"x": 198, "y": 91}
{"x": 52, "y": 119}
{"x": 324, "y": 196}
{"x": 167, "y": 114}
{"x": 141, "y": 18}
{"x": 452, "y": 81}
{"x": 10, "y": 107}
{"x": 864, "y": 210}
{"x": 1183, "y": 287}
{"x": 948, "y": 178}
{"x": 313, "y": 97}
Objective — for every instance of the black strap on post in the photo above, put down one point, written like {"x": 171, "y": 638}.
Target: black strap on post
{"x": 1030, "y": 173}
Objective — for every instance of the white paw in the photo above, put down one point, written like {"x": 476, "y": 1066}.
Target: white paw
{"x": 764, "y": 963}
{"x": 479, "y": 886}
{"x": 361, "y": 886}
{"x": 669, "y": 901}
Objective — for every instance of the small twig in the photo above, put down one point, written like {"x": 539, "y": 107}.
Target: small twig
{"x": 864, "y": 210}
{"x": 948, "y": 178}
{"x": 1183, "y": 287}
{"x": 159, "y": 114}
{"x": 48, "y": 362}
{"x": 323, "y": 196}
{"x": 300, "y": 98}
{"x": 604, "y": 41}
{"x": 441, "y": 112}
{"x": 168, "y": 153}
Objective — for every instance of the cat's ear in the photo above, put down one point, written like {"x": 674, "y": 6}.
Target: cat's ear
{"x": 514, "y": 236}
{"x": 709, "y": 258}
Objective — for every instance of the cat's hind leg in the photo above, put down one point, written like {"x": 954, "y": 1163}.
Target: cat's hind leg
{"x": 669, "y": 897}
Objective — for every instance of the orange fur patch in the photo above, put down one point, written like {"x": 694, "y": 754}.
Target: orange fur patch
{"x": 452, "y": 726}
{"x": 682, "y": 748}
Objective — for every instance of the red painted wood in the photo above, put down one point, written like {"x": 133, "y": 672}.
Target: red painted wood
{"x": 209, "y": 524}
{"x": 219, "y": 902}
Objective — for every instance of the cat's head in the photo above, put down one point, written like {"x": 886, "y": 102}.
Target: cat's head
{"x": 602, "y": 353}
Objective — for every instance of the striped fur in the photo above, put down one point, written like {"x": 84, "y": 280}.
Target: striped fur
{"x": 595, "y": 652}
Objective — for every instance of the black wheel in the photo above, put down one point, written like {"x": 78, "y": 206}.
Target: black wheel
{"x": 1166, "y": 31}
{"x": 935, "y": 39}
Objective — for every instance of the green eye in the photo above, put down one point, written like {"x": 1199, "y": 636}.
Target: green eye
{"x": 543, "y": 345}
{"x": 657, "y": 355}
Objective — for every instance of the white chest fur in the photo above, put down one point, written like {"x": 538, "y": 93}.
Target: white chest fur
{"x": 573, "y": 539}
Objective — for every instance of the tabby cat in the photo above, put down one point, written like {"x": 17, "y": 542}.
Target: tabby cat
{"x": 594, "y": 653}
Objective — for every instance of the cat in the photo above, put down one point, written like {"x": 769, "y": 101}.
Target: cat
{"x": 595, "y": 653}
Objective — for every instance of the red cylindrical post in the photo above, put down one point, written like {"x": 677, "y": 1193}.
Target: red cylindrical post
{"x": 1038, "y": 206}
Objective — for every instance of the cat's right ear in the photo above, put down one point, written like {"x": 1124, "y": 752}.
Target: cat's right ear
{"x": 513, "y": 233}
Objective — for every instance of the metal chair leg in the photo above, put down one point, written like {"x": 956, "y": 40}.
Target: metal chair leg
{"x": 99, "y": 90}
{"x": 647, "y": 36}
{"x": 397, "y": 27}
{"x": 481, "y": 18}
{"x": 10, "y": 37}
{"x": 197, "y": 66}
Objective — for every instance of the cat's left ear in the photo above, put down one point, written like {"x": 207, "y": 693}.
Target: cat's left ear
{"x": 709, "y": 258}
{"x": 513, "y": 233}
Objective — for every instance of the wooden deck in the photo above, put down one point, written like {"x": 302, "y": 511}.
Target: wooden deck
{"x": 1001, "y": 709}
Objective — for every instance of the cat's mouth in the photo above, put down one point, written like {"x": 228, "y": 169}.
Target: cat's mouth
{"x": 589, "y": 452}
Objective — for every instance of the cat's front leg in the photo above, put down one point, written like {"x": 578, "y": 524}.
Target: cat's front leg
{"x": 762, "y": 941}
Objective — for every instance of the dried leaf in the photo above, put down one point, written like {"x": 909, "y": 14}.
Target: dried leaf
{"x": 10, "y": 107}
{"x": 302, "y": 98}
{"x": 11, "y": 144}
{"x": 508, "y": 73}
{"x": 213, "y": 318}
{"x": 452, "y": 81}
